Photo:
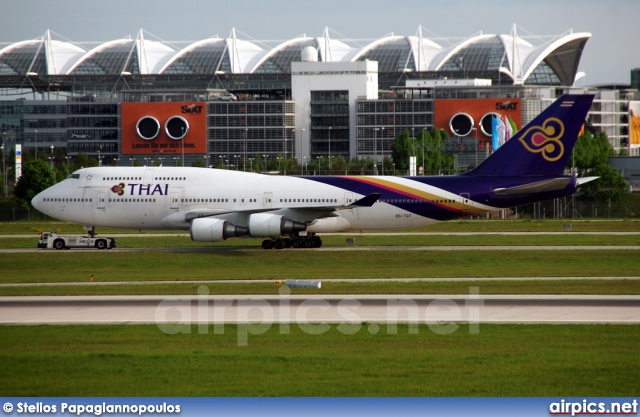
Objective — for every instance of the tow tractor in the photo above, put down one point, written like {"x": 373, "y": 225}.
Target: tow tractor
{"x": 52, "y": 240}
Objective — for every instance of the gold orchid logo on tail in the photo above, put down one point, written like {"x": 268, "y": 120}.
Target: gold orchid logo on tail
{"x": 545, "y": 139}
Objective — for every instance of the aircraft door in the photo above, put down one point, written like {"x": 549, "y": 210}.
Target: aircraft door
{"x": 148, "y": 176}
{"x": 464, "y": 201}
{"x": 175, "y": 201}
{"x": 348, "y": 198}
{"x": 267, "y": 200}
{"x": 102, "y": 201}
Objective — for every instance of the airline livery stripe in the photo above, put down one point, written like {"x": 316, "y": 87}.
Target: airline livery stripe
{"x": 414, "y": 193}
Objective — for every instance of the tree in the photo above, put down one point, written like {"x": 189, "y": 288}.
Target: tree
{"x": 435, "y": 159}
{"x": 610, "y": 186}
{"x": 591, "y": 156}
{"x": 591, "y": 151}
{"x": 61, "y": 171}
{"x": 401, "y": 150}
{"x": 36, "y": 176}
{"x": 83, "y": 161}
{"x": 199, "y": 163}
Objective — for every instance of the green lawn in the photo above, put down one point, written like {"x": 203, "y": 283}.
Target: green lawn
{"x": 501, "y": 360}
{"x": 559, "y": 239}
{"x": 24, "y": 227}
{"x": 77, "y": 266}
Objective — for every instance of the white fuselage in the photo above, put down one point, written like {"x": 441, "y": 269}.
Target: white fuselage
{"x": 165, "y": 197}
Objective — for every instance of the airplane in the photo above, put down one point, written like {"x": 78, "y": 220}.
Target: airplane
{"x": 216, "y": 204}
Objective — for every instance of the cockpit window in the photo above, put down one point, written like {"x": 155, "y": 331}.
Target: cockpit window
{"x": 76, "y": 176}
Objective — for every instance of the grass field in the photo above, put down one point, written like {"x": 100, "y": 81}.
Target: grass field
{"x": 451, "y": 226}
{"x": 76, "y": 266}
{"x": 184, "y": 241}
{"x": 501, "y": 360}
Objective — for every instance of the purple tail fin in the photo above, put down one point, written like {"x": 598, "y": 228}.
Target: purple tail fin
{"x": 542, "y": 147}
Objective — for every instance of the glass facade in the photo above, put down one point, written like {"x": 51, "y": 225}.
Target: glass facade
{"x": 329, "y": 125}
{"x": 378, "y": 122}
{"x": 392, "y": 56}
{"x": 250, "y": 129}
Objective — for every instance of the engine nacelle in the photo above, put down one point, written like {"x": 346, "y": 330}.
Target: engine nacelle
{"x": 273, "y": 225}
{"x": 214, "y": 230}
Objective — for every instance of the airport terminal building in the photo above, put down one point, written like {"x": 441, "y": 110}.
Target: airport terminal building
{"x": 229, "y": 100}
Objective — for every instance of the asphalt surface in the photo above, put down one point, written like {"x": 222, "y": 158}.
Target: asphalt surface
{"x": 168, "y": 312}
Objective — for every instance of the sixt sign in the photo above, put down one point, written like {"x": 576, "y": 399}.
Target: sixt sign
{"x": 507, "y": 106}
{"x": 191, "y": 109}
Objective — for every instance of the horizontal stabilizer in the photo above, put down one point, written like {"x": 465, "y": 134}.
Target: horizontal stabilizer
{"x": 367, "y": 201}
{"x": 554, "y": 184}
{"x": 585, "y": 180}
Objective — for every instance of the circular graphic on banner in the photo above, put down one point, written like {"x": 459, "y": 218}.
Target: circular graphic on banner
{"x": 485, "y": 123}
{"x": 148, "y": 128}
{"x": 461, "y": 124}
{"x": 176, "y": 127}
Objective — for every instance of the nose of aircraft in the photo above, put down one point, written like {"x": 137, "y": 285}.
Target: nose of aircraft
{"x": 38, "y": 200}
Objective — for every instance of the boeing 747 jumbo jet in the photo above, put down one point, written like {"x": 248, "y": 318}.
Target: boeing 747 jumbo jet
{"x": 288, "y": 211}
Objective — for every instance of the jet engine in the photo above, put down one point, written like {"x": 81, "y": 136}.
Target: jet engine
{"x": 273, "y": 225}
{"x": 214, "y": 230}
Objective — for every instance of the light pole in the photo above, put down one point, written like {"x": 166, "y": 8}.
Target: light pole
{"x": 382, "y": 150}
{"x": 182, "y": 136}
{"x": 330, "y": 150}
{"x": 4, "y": 168}
{"x": 265, "y": 162}
{"x": 302, "y": 157}
{"x": 244, "y": 163}
{"x": 424, "y": 129}
{"x": 251, "y": 164}
{"x": 375, "y": 151}
{"x": 131, "y": 159}
{"x": 413, "y": 143}
{"x": 36, "y": 144}
{"x": 476, "y": 133}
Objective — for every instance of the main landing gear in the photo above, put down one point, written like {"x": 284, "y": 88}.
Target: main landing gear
{"x": 311, "y": 241}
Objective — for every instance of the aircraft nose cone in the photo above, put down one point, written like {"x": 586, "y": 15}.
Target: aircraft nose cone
{"x": 37, "y": 202}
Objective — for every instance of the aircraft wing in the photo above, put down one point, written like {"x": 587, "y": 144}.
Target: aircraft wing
{"x": 535, "y": 187}
{"x": 584, "y": 180}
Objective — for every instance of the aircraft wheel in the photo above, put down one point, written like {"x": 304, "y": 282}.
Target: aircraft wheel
{"x": 287, "y": 242}
{"x": 297, "y": 243}
{"x": 308, "y": 243}
{"x": 279, "y": 244}
{"x": 317, "y": 242}
{"x": 267, "y": 244}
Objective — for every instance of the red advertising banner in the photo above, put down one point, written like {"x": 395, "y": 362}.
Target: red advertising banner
{"x": 164, "y": 128}
{"x": 472, "y": 117}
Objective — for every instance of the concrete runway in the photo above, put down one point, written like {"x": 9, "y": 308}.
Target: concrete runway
{"x": 168, "y": 312}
